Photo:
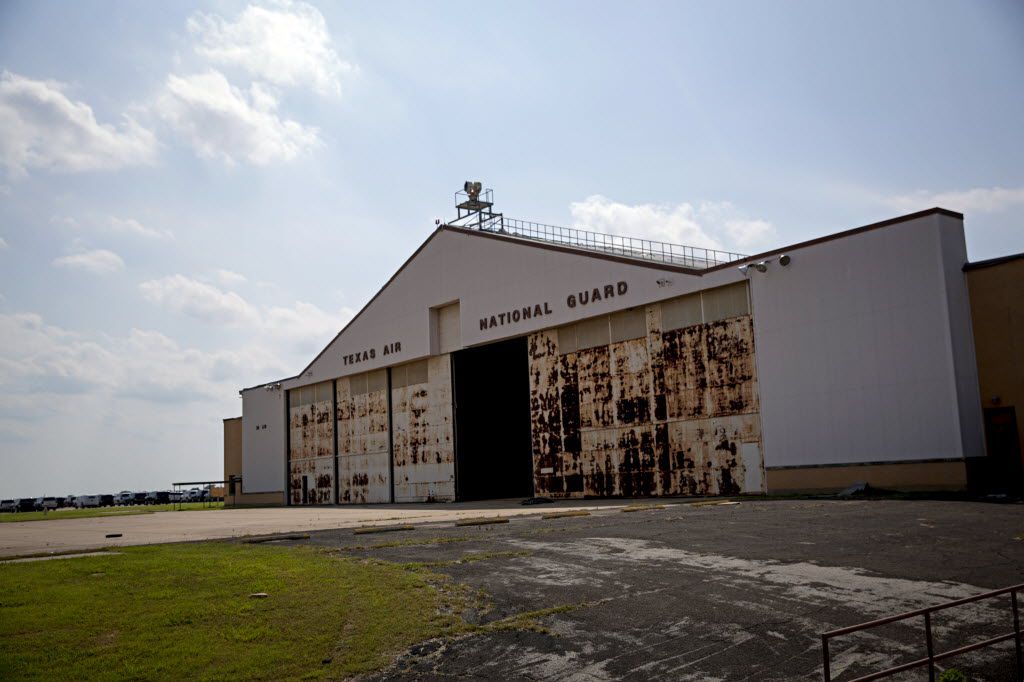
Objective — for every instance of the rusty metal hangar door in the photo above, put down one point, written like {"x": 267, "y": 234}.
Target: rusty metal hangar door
{"x": 493, "y": 457}
{"x": 364, "y": 454}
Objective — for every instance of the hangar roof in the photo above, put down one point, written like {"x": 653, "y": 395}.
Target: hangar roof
{"x": 978, "y": 264}
{"x": 624, "y": 251}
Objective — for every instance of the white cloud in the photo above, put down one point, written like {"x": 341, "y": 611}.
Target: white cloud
{"x": 41, "y": 128}
{"x": 221, "y": 121}
{"x": 981, "y": 199}
{"x": 3, "y": 244}
{"x": 199, "y": 300}
{"x": 230, "y": 277}
{"x": 132, "y": 226}
{"x": 286, "y": 44}
{"x": 302, "y": 327}
{"x": 35, "y": 351}
{"x": 38, "y": 358}
{"x": 95, "y": 261}
{"x": 712, "y": 225}
{"x": 749, "y": 234}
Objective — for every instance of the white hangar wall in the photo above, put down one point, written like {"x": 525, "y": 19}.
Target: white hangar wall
{"x": 864, "y": 351}
{"x": 862, "y": 345}
{"x": 489, "y": 276}
{"x": 263, "y": 441}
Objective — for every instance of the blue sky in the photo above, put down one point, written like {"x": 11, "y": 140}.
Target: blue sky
{"x": 196, "y": 198}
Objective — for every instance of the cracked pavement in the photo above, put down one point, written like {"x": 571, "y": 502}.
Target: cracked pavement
{"x": 732, "y": 592}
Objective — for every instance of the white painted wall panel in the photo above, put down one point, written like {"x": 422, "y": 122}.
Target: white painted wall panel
{"x": 489, "y": 276}
{"x": 863, "y": 343}
{"x": 954, "y": 250}
{"x": 263, "y": 441}
{"x": 448, "y": 329}
{"x": 854, "y": 348}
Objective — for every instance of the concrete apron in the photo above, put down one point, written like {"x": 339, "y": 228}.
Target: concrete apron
{"x": 63, "y": 535}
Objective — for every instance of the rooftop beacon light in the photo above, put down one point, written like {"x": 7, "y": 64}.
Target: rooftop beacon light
{"x": 475, "y": 207}
{"x": 473, "y": 189}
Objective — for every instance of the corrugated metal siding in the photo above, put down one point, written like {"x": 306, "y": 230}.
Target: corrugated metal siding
{"x": 311, "y": 444}
{"x": 422, "y": 434}
{"x": 661, "y": 415}
{"x": 364, "y": 461}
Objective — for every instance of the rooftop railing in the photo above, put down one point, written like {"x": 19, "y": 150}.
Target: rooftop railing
{"x": 626, "y": 247}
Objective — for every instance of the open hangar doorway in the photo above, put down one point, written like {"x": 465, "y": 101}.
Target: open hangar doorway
{"x": 493, "y": 455}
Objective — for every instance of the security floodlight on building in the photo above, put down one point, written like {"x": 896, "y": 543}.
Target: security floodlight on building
{"x": 784, "y": 260}
{"x": 474, "y": 205}
{"x": 744, "y": 269}
{"x": 761, "y": 267}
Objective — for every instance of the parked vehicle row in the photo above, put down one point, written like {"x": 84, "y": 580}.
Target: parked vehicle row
{"x": 121, "y": 499}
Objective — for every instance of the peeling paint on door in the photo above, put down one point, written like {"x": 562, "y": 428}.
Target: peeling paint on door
{"x": 364, "y": 461}
{"x": 422, "y": 431}
{"x": 311, "y": 444}
{"x": 666, "y": 414}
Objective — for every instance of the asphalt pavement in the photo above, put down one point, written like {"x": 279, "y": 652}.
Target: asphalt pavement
{"x": 713, "y": 592}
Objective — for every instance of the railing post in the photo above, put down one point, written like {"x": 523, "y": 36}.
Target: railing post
{"x": 1016, "y": 638}
{"x": 824, "y": 653}
{"x": 931, "y": 650}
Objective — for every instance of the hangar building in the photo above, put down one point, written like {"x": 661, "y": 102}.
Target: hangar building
{"x": 507, "y": 358}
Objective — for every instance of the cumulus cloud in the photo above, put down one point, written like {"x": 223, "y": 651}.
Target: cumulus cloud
{"x": 132, "y": 226}
{"x": 302, "y": 327}
{"x": 36, "y": 351}
{"x": 94, "y": 261}
{"x": 286, "y": 44}
{"x": 981, "y": 199}
{"x": 41, "y": 128}
{"x": 39, "y": 358}
{"x": 230, "y": 277}
{"x": 221, "y": 121}
{"x": 139, "y": 398}
{"x": 199, "y": 300}
{"x": 712, "y": 225}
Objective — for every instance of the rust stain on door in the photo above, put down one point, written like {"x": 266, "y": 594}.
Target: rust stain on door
{"x": 311, "y": 444}
{"x": 364, "y": 461}
{"x": 422, "y": 433}
{"x": 665, "y": 414}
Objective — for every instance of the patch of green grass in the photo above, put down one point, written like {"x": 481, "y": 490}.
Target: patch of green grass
{"x": 407, "y": 542}
{"x": 73, "y": 514}
{"x": 465, "y": 559}
{"x": 528, "y": 620}
{"x": 102, "y": 512}
{"x": 370, "y": 530}
{"x": 184, "y": 611}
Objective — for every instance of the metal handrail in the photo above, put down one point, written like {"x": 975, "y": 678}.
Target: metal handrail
{"x": 695, "y": 257}
{"x": 932, "y": 657}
